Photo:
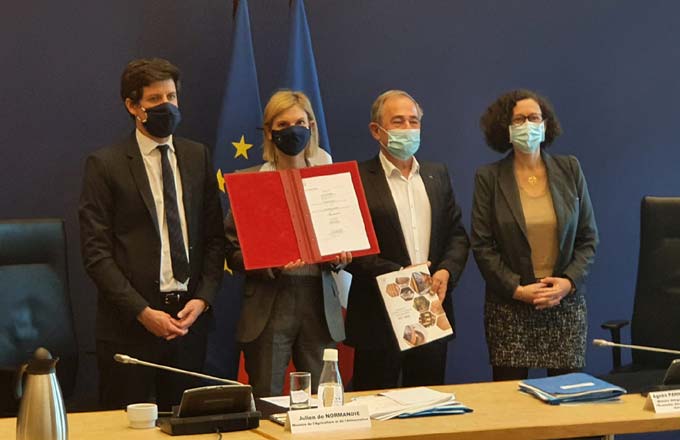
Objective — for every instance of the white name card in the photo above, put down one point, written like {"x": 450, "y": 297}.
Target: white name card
{"x": 663, "y": 401}
{"x": 335, "y": 418}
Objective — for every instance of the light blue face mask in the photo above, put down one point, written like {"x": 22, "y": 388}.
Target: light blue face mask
{"x": 402, "y": 143}
{"x": 527, "y": 137}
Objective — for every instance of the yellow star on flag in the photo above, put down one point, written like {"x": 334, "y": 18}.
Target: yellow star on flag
{"x": 241, "y": 148}
{"x": 220, "y": 180}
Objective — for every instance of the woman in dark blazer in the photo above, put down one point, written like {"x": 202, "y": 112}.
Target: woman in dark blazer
{"x": 290, "y": 312}
{"x": 534, "y": 238}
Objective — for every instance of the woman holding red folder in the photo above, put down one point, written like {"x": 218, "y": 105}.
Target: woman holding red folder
{"x": 291, "y": 311}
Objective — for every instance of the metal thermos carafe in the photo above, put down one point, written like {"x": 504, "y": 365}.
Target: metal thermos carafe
{"x": 41, "y": 412}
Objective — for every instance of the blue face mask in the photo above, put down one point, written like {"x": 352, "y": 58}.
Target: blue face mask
{"x": 527, "y": 137}
{"x": 291, "y": 140}
{"x": 402, "y": 143}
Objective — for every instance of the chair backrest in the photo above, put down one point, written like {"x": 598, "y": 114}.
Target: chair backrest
{"x": 656, "y": 313}
{"x": 35, "y": 306}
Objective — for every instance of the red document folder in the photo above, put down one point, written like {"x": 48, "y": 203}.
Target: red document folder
{"x": 272, "y": 218}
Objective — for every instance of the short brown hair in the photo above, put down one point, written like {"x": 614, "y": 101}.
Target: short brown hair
{"x": 143, "y": 72}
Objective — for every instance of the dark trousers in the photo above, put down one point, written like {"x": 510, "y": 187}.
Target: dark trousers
{"x": 296, "y": 330}
{"x": 419, "y": 366}
{"x": 122, "y": 384}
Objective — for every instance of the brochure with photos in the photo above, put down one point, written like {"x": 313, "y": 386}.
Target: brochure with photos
{"x": 415, "y": 311}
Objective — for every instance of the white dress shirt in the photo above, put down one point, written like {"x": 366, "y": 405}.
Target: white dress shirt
{"x": 152, "y": 162}
{"x": 413, "y": 207}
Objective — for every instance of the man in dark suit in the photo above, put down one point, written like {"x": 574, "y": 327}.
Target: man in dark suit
{"x": 152, "y": 242}
{"x": 417, "y": 220}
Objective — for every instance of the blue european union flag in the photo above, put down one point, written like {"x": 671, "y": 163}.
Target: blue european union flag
{"x": 301, "y": 75}
{"x": 301, "y": 68}
{"x": 239, "y": 141}
{"x": 238, "y": 145}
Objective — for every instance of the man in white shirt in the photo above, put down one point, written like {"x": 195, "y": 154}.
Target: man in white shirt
{"x": 152, "y": 242}
{"x": 416, "y": 220}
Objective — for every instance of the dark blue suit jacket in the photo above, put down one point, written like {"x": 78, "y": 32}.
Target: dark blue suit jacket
{"x": 120, "y": 238}
{"x": 367, "y": 324}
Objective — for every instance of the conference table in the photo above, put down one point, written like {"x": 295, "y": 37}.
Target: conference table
{"x": 113, "y": 425}
{"x": 500, "y": 412}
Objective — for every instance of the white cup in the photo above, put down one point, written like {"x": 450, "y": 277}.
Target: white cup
{"x": 142, "y": 415}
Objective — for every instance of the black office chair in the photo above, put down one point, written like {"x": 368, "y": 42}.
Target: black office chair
{"x": 35, "y": 306}
{"x": 656, "y": 313}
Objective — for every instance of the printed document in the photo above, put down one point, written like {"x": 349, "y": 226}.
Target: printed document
{"x": 334, "y": 210}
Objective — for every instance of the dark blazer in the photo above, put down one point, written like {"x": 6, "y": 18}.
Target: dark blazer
{"x": 367, "y": 323}
{"x": 120, "y": 239}
{"x": 499, "y": 237}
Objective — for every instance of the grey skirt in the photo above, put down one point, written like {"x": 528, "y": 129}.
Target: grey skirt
{"x": 520, "y": 336}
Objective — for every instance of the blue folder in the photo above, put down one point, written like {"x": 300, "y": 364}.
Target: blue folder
{"x": 573, "y": 387}
{"x": 455, "y": 408}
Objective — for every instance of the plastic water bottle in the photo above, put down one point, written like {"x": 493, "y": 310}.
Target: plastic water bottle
{"x": 331, "y": 391}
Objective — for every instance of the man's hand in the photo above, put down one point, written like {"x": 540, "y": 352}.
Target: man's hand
{"x": 342, "y": 260}
{"x": 440, "y": 282}
{"x": 528, "y": 293}
{"x": 190, "y": 313}
{"x": 549, "y": 296}
{"x": 161, "y": 324}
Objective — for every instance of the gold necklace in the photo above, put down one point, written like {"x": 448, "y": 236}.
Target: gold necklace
{"x": 533, "y": 180}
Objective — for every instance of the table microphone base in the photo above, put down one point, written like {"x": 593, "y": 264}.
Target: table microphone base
{"x": 209, "y": 424}
{"x": 655, "y": 388}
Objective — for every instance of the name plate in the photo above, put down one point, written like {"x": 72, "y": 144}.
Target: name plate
{"x": 663, "y": 401}
{"x": 335, "y": 418}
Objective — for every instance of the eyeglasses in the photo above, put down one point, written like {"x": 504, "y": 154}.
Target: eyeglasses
{"x": 521, "y": 119}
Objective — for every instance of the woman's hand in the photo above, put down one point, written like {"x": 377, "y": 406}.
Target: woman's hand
{"x": 297, "y": 264}
{"x": 528, "y": 293}
{"x": 549, "y": 296}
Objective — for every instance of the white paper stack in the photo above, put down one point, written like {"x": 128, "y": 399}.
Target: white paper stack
{"x": 410, "y": 402}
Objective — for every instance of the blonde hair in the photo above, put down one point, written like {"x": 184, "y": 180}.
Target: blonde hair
{"x": 376, "y": 108}
{"x": 279, "y": 103}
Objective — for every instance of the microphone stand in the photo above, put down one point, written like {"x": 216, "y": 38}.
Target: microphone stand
{"x": 201, "y": 424}
{"x": 125, "y": 359}
{"x": 672, "y": 373}
{"x": 605, "y": 343}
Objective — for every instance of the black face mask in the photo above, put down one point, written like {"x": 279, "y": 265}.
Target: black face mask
{"x": 291, "y": 140}
{"x": 162, "y": 120}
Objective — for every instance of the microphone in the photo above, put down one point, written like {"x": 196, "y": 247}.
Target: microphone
{"x": 605, "y": 343}
{"x": 125, "y": 359}
{"x": 202, "y": 410}
{"x": 670, "y": 380}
